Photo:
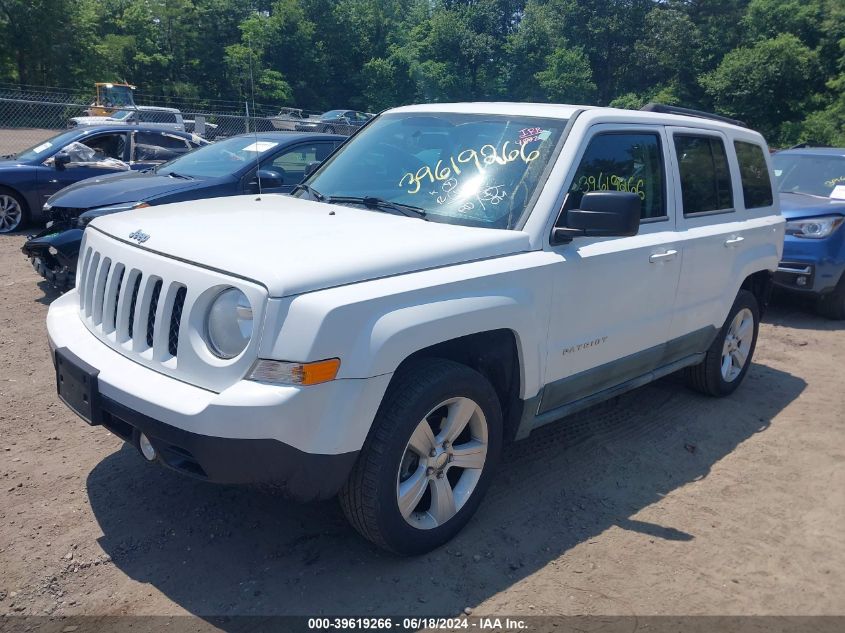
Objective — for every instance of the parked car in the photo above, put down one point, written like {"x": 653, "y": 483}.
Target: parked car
{"x": 288, "y": 118}
{"x": 336, "y": 121}
{"x": 226, "y": 168}
{"x": 30, "y": 177}
{"x": 453, "y": 277}
{"x": 164, "y": 118}
{"x": 811, "y": 182}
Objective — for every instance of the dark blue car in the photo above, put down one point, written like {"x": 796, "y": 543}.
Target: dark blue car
{"x": 811, "y": 182}
{"x": 274, "y": 161}
{"x": 30, "y": 177}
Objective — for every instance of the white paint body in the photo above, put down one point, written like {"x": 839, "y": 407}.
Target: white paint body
{"x": 372, "y": 288}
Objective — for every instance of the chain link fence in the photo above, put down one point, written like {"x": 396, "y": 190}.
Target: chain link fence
{"x": 28, "y": 117}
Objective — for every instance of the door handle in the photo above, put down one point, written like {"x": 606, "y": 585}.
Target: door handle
{"x": 662, "y": 257}
{"x": 734, "y": 241}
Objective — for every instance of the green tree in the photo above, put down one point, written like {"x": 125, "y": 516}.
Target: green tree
{"x": 50, "y": 42}
{"x": 769, "y": 84}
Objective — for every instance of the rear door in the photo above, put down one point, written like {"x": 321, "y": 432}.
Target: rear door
{"x": 613, "y": 298}
{"x": 712, "y": 225}
{"x": 153, "y": 148}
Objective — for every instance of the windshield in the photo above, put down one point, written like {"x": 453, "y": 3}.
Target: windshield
{"x": 222, "y": 158}
{"x": 120, "y": 115}
{"x": 815, "y": 174}
{"x": 115, "y": 95}
{"x": 48, "y": 147}
{"x": 332, "y": 114}
{"x": 471, "y": 169}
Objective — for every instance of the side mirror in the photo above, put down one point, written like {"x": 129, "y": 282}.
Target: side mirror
{"x": 270, "y": 179}
{"x": 61, "y": 160}
{"x": 600, "y": 214}
{"x": 312, "y": 167}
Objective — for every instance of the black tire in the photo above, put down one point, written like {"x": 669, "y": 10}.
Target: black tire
{"x": 706, "y": 377}
{"x": 369, "y": 497}
{"x": 6, "y": 193}
{"x": 832, "y": 305}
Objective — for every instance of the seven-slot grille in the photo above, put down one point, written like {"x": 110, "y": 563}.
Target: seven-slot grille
{"x": 137, "y": 311}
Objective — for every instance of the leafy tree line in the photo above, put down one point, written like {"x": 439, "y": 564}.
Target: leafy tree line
{"x": 777, "y": 64}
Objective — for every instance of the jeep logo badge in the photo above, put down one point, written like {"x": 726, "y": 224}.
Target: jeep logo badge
{"x": 139, "y": 236}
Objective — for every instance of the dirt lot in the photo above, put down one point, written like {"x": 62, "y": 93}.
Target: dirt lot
{"x": 17, "y": 139}
{"x": 663, "y": 502}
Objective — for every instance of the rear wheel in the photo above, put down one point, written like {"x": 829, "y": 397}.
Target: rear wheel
{"x": 726, "y": 362}
{"x": 13, "y": 211}
{"x": 428, "y": 461}
{"x": 832, "y": 305}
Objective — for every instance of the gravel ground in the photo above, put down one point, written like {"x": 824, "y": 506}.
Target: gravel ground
{"x": 661, "y": 502}
{"x": 13, "y": 140}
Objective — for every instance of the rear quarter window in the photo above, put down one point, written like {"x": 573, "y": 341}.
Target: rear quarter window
{"x": 756, "y": 185}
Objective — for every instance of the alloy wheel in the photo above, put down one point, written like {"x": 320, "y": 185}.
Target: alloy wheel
{"x": 442, "y": 463}
{"x": 737, "y": 344}
{"x": 11, "y": 213}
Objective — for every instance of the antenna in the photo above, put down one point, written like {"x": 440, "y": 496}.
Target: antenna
{"x": 254, "y": 130}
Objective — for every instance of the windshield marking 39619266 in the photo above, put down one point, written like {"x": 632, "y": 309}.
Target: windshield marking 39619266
{"x": 459, "y": 168}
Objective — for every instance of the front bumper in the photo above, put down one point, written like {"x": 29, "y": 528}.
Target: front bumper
{"x": 811, "y": 266}
{"x": 301, "y": 439}
{"x": 53, "y": 253}
{"x": 302, "y": 476}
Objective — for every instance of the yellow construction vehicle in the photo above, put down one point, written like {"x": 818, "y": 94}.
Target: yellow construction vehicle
{"x": 111, "y": 97}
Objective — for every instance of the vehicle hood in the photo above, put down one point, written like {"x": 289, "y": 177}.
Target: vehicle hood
{"x": 130, "y": 186}
{"x": 11, "y": 163}
{"x": 794, "y": 206}
{"x": 293, "y": 246}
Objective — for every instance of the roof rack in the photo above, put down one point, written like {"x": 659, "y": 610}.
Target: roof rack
{"x": 669, "y": 109}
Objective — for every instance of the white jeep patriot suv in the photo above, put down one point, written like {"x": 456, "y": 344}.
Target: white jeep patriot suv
{"x": 451, "y": 278}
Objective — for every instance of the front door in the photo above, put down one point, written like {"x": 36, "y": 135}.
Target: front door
{"x": 292, "y": 162}
{"x": 613, "y": 298}
{"x": 94, "y": 155}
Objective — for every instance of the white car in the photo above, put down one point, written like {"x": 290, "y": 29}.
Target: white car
{"x": 165, "y": 118}
{"x": 450, "y": 279}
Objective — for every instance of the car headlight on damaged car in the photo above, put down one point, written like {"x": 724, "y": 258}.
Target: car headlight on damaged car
{"x": 814, "y": 228}
{"x": 86, "y": 217}
{"x": 229, "y": 323}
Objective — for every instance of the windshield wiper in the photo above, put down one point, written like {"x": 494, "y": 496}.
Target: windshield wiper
{"x": 804, "y": 193}
{"x": 379, "y": 203}
{"x": 314, "y": 193}
{"x": 182, "y": 176}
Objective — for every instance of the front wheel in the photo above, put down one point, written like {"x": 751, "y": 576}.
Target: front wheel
{"x": 726, "y": 362}
{"x": 428, "y": 461}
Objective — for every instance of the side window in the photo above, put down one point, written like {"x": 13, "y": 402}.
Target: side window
{"x": 756, "y": 186}
{"x": 155, "y": 116}
{"x": 705, "y": 175}
{"x": 104, "y": 146}
{"x": 153, "y": 146}
{"x": 293, "y": 162}
{"x": 623, "y": 162}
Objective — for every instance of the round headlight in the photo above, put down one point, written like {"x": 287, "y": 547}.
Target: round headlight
{"x": 229, "y": 323}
